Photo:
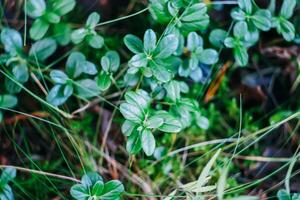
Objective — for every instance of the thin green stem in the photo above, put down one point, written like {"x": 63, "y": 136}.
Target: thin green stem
{"x": 123, "y": 18}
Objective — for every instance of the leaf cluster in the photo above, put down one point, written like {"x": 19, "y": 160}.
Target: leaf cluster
{"x": 93, "y": 187}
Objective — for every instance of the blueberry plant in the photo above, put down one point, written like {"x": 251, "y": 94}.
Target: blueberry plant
{"x": 155, "y": 78}
{"x": 47, "y": 15}
{"x": 66, "y": 82}
{"x": 92, "y": 187}
{"x": 88, "y": 33}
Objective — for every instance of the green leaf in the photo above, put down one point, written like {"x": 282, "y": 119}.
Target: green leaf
{"x": 238, "y": 14}
{"x": 138, "y": 60}
{"x": 88, "y": 67}
{"x": 105, "y": 64}
{"x": 93, "y": 187}
{"x": 73, "y": 65}
{"x": 137, "y": 99}
{"x": 12, "y": 40}
{"x": 158, "y": 11}
{"x": 58, "y": 76}
{"x": 279, "y": 116}
{"x": 128, "y": 127}
{"x": 68, "y": 90}
{"x": 149, "y": 41}
{"x": 134, "y": 144}
{"x": 7, "y": 193}
{"x": 103, "y": 81}
{"x": 272, "y": 6}
{"x": 245, "y": 5}
{"x": 112, "y": 190}
{"x": 193, "y": 62}
{"x": 287, "y": 30}
{"x": 184, "y": 115}
{"x": 35, "y": 8}
{"x": 209, "y": 56}
{"x": 20, "y": 72}
{"x": 262, "y": 19}
{"x": 62, "y": 33}
{"x": 93, "y": 20}
{"x": 251, "y": 38}
{"x": 202, "y": 122}
{"x": 11, "y": 87}
{"x": 194, "y": 12}
{"x": 51, "y": 17}
{"x": 79, "y": 192}
{"x": 240, "y": 29}
{"x": 38, "y": 29}
{"x": 134, "y": 44}
{"x": 42, "y": 49}
{"x": 90, "y": 178}
{"x": 8, "y": 174}
{"x": 161, "y": 73}
{"x": 8, "y": 101}
{"x": 132, "y": 112}
{"x": 62, "y": 7}
{"x": 166, "y": 47}
{"x": 296, "y": 196}
{"x": 148, "y": 142}
{"x": 173, "y": 9}
{"x": 191, "y": 104}
{"x": 144, "y": 94}
{"x": 229, "y": 42}
{"x": 96, "y": 41}
{"x": 173, "y": 90}
{"x": 78, "y": 35}
{"x": 87, "y": 88}
{"x": 170, "y": 125}
{"x": 287, "y": 8}
{"x": 114, "y": 60}
{"x": 194, "y": 18}
{"x": 283, "y": 195}
{"x": 241, "y": 55}
{"x": 98, "y": 188}
{"x": 194, "y": 41}
{"x": 154, "y": 122}
{"x": 181, "y": 45}
{"x": 184, "y": 87}
{"x": 57, "y": 96}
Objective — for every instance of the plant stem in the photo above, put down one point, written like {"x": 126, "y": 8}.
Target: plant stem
{"x": 41, "y": 173}
{"x": 122, "y": 18}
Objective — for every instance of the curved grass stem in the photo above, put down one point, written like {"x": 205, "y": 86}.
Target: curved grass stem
{"x": 41, "y": 173}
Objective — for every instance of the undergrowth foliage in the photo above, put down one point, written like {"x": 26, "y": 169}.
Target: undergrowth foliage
{"x": 154, "y": 79}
